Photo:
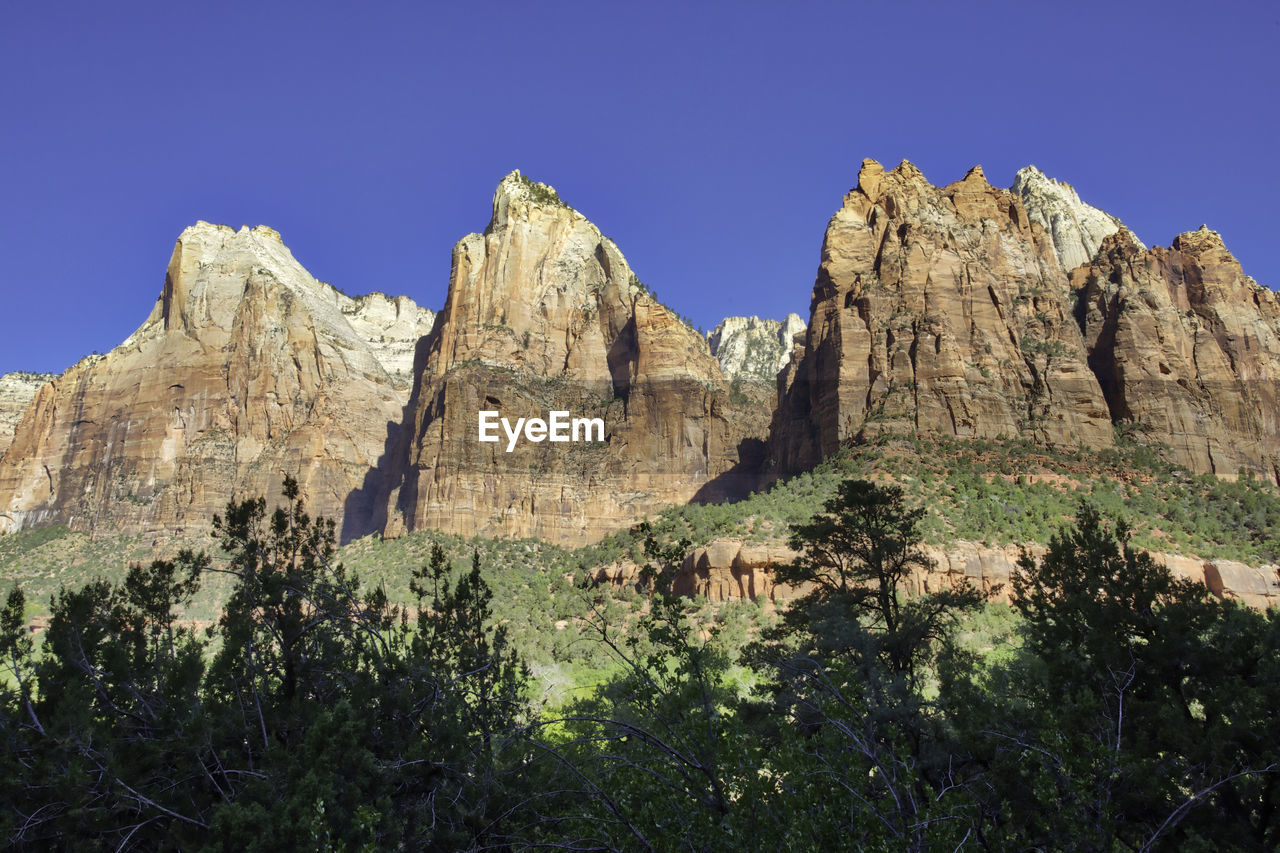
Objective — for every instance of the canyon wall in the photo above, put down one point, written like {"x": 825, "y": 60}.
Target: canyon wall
{"x": 246, "y": 370}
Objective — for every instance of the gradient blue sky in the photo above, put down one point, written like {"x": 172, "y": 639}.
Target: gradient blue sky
{"x": 711, "y": 141}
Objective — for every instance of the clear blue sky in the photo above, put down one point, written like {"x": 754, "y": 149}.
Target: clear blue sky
{"x": 711, "y": 141}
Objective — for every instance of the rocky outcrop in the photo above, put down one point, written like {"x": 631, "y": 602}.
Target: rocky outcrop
{"x": 544, "y": 313}
{"x": 730, "y": 568}
{"x": 17, "y": 390}
{"x": 751, "y": 348}
{"x": 1187, "y": 349}
{"x": 936, "y": 310}
{"x": 1075, "y": 228}
{"x": 247, "y": 369}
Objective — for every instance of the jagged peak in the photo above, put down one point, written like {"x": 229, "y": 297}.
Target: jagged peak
{"x": 1202, "y": 241}
{"x": 1031, "y": 176}
{"x": 1077, "y": 229}
{"x": 874, "y": 182}
{"x": 1122, "y": 243}
{"x": 908, "y": 169}
{"x": 870, "y": 177}
{"x": 516, "y": 187}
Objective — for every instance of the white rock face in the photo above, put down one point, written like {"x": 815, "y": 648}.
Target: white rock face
{"x": 1077, "y": 229}
{"x": 391, "y": 325}
{"x": 753, "y": 348}
{"x": 16, "y": 393}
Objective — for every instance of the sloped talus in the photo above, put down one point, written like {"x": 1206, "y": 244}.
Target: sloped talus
{"x": 247, "y": 369}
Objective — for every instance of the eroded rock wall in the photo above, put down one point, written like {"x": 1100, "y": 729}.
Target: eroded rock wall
{"x": 248, "y": 369}
{"x": 544, "y": 313}
{"x": 1186, "y": 348}
{"x": 936, "y": 310}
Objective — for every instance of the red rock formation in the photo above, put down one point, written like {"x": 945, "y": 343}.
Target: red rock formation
{"x": 727, "y": 569}
{"x": 247, "y": 369}
{"x": 544, "y": 313}
{"x": 936, "y": 310}
{"x": 1187, "y": 348}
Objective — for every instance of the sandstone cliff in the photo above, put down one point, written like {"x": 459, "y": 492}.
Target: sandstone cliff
{"x": 247, "y": 369}
{"x": 731, "y": 568}
{"x": 752, "y": 348}
{"x": 936, "y": 310}
{"x": 1186, "y": 348}
{"x": 543, "y": 312}
{"x": 17, "y": 390}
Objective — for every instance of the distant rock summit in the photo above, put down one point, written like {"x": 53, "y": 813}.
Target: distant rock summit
{"x": 752, "y": 348}
{"x": 247, "y": 369}
{"x": 1076, "y": 229}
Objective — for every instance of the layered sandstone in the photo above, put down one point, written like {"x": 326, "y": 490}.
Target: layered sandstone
{"x": 1186, "y": 348}
{"x": 730, "y": 568}
{"x": 543, "y": 313}
{"x": 247, "y": 369}
{"x": 751, "y": 348}
{"x": 17, "y": 390}
{"x": 936, "y": 310}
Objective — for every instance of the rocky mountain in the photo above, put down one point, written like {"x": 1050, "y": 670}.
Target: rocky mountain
{"x": 937, "y": 310}
{"x": 753, "y": 348}
{"x": 543, "y": 313}
{"x": 1186, "y": 347}
{"x": 1076, "y": 229}
{"x": 951, "y": 311}
{"x": 948, "y": 311}
{"x": 247, "y": 369}
{"x": 16, "y": 393}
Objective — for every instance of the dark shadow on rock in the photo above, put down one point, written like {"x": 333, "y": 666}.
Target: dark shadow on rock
{"x": 743, "y": 479}
{"x": 366, "y": 509}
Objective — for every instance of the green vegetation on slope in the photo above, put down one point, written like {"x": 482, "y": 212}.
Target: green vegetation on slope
{"x": 1002, "y": 492}
{"x": 1123, "y": 709}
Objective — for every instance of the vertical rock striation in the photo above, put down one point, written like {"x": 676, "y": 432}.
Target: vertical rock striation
{"x": 544, "y": 313}
{"x": 936, "y": 310}
{"x": 1186, "y": 348}
{"x": 247, "y": 369}
{"x": 17, "y": 390}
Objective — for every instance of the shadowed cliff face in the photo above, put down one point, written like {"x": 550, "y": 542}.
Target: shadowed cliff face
{"x": 936, "y": 310}
{"x": 247, "y": 369}
{"x": 1187, "y": 348}
{"x": 543, "y": 313}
